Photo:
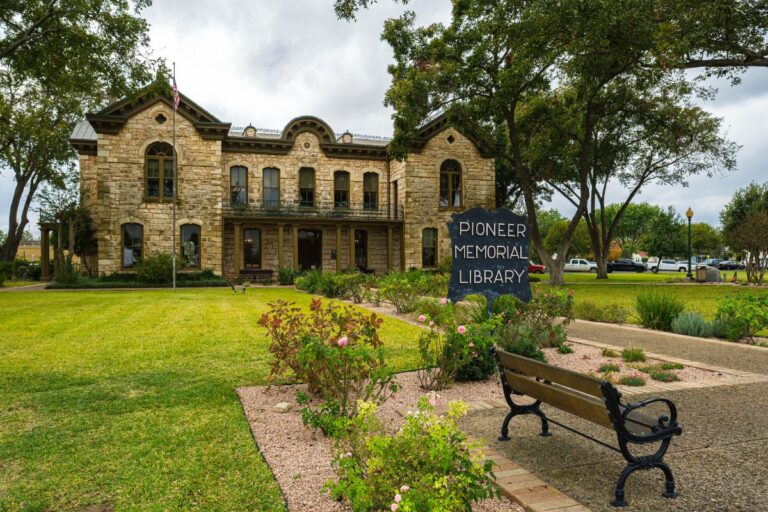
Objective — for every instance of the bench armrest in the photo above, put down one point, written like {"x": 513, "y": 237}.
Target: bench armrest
{"x": 666, "y": 425}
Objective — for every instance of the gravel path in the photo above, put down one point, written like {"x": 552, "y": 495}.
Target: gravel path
{"x": 300, "y": 458}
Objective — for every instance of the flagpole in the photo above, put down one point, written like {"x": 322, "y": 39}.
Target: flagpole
{"x": 175, "y": 176}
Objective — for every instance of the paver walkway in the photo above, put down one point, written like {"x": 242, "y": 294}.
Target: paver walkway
{"x": 719, "y": 462}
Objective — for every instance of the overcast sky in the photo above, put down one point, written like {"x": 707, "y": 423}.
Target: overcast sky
{"x": 265, "y": 62}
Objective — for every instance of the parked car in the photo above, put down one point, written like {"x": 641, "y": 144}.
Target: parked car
{"x": 711, "y": 262}
{"x": 683, "y": 265}
{"x": 535, "y": 268}
{"x": 625, "y": 264}
{"x": 580, "y": 265}
{"x": 731, "y": 265}
{"x": 664, "y": 265}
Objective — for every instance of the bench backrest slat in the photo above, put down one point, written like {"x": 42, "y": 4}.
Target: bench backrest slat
{"x": 566, "y": 378}
{"x": 563, "y": 398}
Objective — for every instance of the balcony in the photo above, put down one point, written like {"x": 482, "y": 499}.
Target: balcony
{"x": 320, "y": 210}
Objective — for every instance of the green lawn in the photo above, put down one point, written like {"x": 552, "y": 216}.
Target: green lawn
{"x": 701, "y": 298}
{"x": 127, "y": 399}
{"x": 633, "y": 277}
{"x": 14, "y": 283}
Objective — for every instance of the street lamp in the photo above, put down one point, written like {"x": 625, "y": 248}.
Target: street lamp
{"x": 689, "y": 214}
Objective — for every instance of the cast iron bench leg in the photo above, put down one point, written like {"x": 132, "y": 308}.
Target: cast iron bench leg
{"x": 524, "y": 410}
{"x": 631, "y": 468}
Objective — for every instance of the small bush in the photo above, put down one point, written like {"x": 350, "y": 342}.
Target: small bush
{"x": 609, "y": 353}
{"x": 525, "y": 347}
{"x": 657, "y": 309}
{"x": 536, "y": 320}
{"x": 609, "y": 313}
{"x": 565, "y": 349}
{"x": 155, "y": 269}
{"x": 632, "y": 380}
{"x": 287, "y": 276}
{"x": 313, "y": 281}
{"x": 719, "y": 328}
{"x": 425, "y": 465}
{"x": 744, "y": 315}
{"x": 633, "y": 355}
{"x": 692, "y": 324}
{"x": 657, "y": 373}
{"x": 481, "y": 364}
{"x": 671, "y": 366}
{"x": 442, "y": 353}
{"x": 609, "y": 367}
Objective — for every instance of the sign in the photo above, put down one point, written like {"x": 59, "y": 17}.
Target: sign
{"x": 489, "y": 249}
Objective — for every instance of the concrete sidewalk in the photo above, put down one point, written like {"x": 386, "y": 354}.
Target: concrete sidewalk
{"x": 719, "y": 462}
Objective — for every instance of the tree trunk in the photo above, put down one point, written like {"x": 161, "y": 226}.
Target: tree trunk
{"x": 556, "y": 271}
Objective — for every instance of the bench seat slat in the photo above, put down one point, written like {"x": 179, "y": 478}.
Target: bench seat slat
{"x": 565, "y": 399}
{"x": 562, "y": 376}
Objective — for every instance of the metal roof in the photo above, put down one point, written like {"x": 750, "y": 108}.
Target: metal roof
{"x": 83, "y": 131}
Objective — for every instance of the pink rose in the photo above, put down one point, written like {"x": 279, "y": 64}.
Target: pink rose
{"x": 405, "y": 488}
{"x": 393, "y": 507}
{"x": 462, "y": 329}
{"x": 422, "y": 318}
{"x": 443, "y": 301}
{"x": 342, "y": 341}
{"x": 398, "y": 498}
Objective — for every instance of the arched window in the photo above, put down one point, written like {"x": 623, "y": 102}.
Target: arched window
{"x": 450, "y": 184}
{"x": 271, "y": 187}
{"x": 159, "y": 176}
{"x": 429, "y": 247}
{"x": 370, "y": 191}
{"x": 190, "y": 246}
{"x": 341, "y": 189}
{"x": 306, "y": 186}
{"x": 132, "y": 245}
{"x": 238, "y": 185}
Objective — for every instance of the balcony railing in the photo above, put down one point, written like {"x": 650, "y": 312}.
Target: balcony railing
{"x": 321, "y": 209}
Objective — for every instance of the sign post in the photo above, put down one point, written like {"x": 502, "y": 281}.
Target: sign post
{"x": 490, "y": 251}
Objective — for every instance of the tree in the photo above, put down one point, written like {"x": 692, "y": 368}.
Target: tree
{"x": 751, "y": 236}
{"x": 665, "y": 237}
{"x": 57, "y": 61}
{"x": 742, "y": 219}
{"x": 633, "y": 225}
{"x": 705, "y": 239}
{"x": 580, "y": 245}
{"x": 2, "y": 237}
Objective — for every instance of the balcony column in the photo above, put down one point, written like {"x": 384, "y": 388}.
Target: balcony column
{"x": 280, "y": 248}
{"x": 389, "y": 248}
{"x": 45, "y": 251}
{"x": 402, "y": 248}
{"x": 351, "y": 248}
{"x": 338, "y": 248}
{"x": 238, "y": 247}
{"x": 295, "y": 239}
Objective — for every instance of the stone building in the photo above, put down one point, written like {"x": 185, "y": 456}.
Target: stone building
{"x": 251, "y": 201}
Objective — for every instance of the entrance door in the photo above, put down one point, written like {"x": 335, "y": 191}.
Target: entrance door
{"x": 310, "y": 249}
{"x": 252, "y": 248}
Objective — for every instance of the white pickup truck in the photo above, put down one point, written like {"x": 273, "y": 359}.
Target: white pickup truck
{"x": 579, "y": 265}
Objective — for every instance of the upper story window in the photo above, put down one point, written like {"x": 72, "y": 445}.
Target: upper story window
{"x": 341, "y": 189}
{"x": 238, "y": 185}
{"x": 271, "y": 187}
{"x": 160, "y": 179}
{"x": 306, "y": 186}
{"x": 133, "y": 244}
{"x": 450, "y": 184}
{"x": 370, "y": 191}
{"x": 190, "y": 245}
{"x": 429, "y": 247}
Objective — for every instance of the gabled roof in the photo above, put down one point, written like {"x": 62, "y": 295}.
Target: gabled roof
{"x": 112, "y": 118}
{"x": 440, "y": 123}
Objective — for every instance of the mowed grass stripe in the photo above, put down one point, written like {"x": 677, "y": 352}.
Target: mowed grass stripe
{"x": 127, "y": 398}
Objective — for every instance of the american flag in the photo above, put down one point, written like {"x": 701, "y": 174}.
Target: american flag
{"x": 175, "y": 95}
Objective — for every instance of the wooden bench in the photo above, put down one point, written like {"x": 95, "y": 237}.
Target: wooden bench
{"x": 596, "y": 401}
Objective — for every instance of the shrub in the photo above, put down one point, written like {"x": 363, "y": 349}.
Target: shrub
{"x": 609, "y": 353}
{"x": 632, "y": 380}
{"x": 481, "y": 364}
{"x": 400, "y": 291}
{"x": 657, "y": 309}
{"x": 609, "y": 313}
{"x": 536, "y": 320}
{"x": 633, "y": 355}
{"x": 312, "y": 282}
{"x": 565, "y": 349}
{"x": 671, "y": 366}
{"x": 287, "y": 276}
{"x": 692, "y": 324}
{"x": 657, "y": 373}
{"x": 442, "y": 354}
{"x": 608, "y": 367}
{"x": 525, "y": 347}
{"x": 719, "y": 327}
{"x": 335, "y": 349}
{"x": 426, "y": 465}
{"x": 155, "y": 269}
{"x": 744, "y": 315}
